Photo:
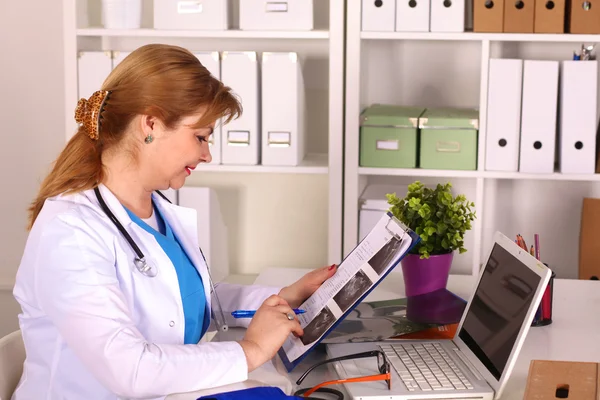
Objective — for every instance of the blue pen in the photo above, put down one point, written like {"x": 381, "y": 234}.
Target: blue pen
{"x": 250, "y": 313}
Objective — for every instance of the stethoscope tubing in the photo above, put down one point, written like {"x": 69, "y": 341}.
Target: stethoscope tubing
{"x": 142, "y": 258}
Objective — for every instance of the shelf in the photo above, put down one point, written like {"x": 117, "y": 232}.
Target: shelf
{"x": 473, "y": 36}
{"x": 312, "y": 164}
{"x": 557, "y": 176}
{"x": 418, "y": 172}
{"x": 229, "y": 34}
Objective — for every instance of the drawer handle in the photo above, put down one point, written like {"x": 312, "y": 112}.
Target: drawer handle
{"x": 447, "y": 147}
{"x": 280, "y": 139}
{"x": 189, "y": 7}
{"x": 238, "y": 138}
{"x": 276, "y": 6}
{"x": 387, "y": 145}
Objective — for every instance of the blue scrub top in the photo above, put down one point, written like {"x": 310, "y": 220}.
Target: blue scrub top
{"x": 197, "y": 317}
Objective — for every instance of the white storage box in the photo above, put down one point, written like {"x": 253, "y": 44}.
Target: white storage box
{"x": 447, "y": 15}
{"x": 282, "y": 109}
{"x": 378, "y": 15}
{"x": 118, "y": 56}
{"x": 373, "y": 204}
{"x": 192, "y": 14}
{"x": 93, "y": 67}
{"x": 121, "y": 14}
{"x": 212, "y": 62}
{"x": 212, "y": 231}
{"x": 240, "y": 138}
{"x": 288, "y": 15}
{"x": 412, "y": 15}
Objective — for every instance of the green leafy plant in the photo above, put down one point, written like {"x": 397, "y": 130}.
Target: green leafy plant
{"x": 439, "y": 218}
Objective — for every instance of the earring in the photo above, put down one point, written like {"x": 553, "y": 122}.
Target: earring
{"x": 148, "y": 139}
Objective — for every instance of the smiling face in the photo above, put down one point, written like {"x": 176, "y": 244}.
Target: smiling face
{"x": 173, "y": 154}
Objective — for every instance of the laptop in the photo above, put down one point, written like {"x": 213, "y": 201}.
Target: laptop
{"x": 478, "y": 361}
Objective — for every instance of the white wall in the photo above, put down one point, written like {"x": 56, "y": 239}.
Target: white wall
{"x": 32, "y": 123}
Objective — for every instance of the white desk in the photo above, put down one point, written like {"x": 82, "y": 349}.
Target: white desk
{"x": 571, "y": 337}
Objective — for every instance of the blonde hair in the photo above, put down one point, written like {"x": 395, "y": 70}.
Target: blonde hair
{"x": 167, "y": 82}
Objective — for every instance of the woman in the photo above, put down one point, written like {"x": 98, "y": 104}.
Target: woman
{"x": 96, "y": 324}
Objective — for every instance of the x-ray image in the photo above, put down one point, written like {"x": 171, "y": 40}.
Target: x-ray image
{"x": 352, "y": 290}
{"x": 318, "y": 326}
{"x": 383, "y": 258}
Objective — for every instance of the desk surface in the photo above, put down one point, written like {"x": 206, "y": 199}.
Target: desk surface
{"x": 571, "y": 337}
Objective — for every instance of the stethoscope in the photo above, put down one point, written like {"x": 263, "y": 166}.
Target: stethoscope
{"x": 147, "y": 269}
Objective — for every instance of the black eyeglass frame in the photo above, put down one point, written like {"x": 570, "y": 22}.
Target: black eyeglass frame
{"x": 382, "y": 363}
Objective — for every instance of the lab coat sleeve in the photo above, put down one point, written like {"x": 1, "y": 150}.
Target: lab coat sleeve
{"x": 77, "y": 287}
{"x": 240, "y": 297}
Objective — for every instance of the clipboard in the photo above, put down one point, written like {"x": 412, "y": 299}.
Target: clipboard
{"x": 406, "y": 234}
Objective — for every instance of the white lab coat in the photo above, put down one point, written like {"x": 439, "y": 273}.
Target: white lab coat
{"x": 95, "y": 328}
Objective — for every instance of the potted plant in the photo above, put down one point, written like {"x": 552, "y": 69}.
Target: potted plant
{"x": 441, "y": 220}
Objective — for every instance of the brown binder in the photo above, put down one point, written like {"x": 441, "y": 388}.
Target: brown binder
{"x": 551, "y": 380}
{"x": 589, "y": 240}
{"x": 549, "y": 16}
{"x": 518, "y": 16}
{"x": 488, "y": 15}
{"x": 585, "y": 16}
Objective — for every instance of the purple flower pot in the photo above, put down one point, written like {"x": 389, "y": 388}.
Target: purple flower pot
{"x": 425, "y": 275}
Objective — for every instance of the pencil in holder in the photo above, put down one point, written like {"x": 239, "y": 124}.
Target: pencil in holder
{"x": 543, "y": 315}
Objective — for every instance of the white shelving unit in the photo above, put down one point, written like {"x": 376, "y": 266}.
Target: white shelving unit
{"x": 315, "y": 186}
{"x": 451, "y": 69}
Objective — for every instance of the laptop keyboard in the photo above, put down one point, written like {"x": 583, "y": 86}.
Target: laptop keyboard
{"x": 425, "y": 367}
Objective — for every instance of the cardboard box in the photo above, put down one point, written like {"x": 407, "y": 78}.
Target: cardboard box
{"x": 589, "y": 262}
{"x": 549, "y": 16}
{"x": 562, "y": 380}
{"x": 519, "y": 16}
{"x": 585, "y": 17}
{"x": 488, "y": 15}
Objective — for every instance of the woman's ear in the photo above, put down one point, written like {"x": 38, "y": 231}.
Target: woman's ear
{"x": 151, "y": 127}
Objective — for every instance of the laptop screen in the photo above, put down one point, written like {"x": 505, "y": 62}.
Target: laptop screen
{"x": 499, "y": 307}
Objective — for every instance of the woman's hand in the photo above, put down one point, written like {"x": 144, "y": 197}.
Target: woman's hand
{"x": 303, "y": 288}
{"x": 268, "y": 330}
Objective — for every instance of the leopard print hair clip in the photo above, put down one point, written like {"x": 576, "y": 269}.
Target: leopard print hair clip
{"x": 89, "y": 113}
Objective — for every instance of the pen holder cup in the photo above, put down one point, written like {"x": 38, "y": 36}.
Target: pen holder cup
{"x": 543, "y": 316}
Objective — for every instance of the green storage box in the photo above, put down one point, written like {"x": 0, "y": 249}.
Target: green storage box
{"x": 388, "y": 136}
{"x": 449, "y": 138}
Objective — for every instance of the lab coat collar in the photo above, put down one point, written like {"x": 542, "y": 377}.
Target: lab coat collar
{"x": 112, "y": 202}
{"x": 183, "y": 222}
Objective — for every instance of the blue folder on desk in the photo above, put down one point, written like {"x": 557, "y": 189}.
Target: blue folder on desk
{"x": 394, "y": 241}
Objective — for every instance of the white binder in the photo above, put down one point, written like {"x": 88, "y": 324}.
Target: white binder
{"x": 538, "y": 116}
{"x": 212, "y": 62}
{"x": 240, "y": 141}
{"x": 378, "y": 16}
{"x": 93, "y": 68}
{"x": 212, "y": 231}
{"x": 412, "y": 15}
{"x": 118, "y": 56}
{"x": 283, "y": 108}
{"x": 578, "y": 117}
{"x": 505, "y": 88}
{"x": 447, "y": 16}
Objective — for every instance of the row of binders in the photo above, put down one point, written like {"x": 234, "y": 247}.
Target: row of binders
{"x": 216, "y": 15}
{"x": 413, "y": 15}
{"x": 271, "y": 128}
{"x": 539, "y": 108}
{"x": 511, "y": 16}
{"x": 536, "y": 16}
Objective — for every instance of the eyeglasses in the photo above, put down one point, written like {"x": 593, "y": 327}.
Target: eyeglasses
{"x": 382, "y": 364}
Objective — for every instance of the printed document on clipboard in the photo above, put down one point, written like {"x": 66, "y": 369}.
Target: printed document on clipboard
{"x": 359, "y": 273}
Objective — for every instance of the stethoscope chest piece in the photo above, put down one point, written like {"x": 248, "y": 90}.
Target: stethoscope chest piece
{"x": 145, "y": 268}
